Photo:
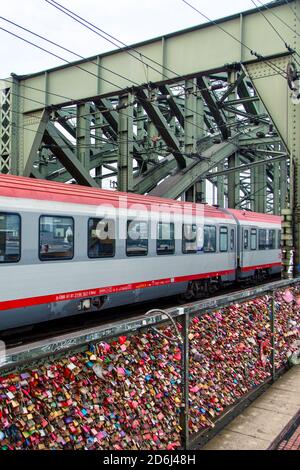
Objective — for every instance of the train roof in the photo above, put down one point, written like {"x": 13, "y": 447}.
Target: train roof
{"x": 254, "y": 217}
{"x": 29, "y": 188}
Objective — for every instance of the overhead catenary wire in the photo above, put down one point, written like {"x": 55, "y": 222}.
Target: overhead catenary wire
{"x": 213, "y": 128}
{"x": 236, "y": 124}
{"x": 57, "y": 45}
{"x": 45, "y": 50}
{"x": 69, "y": 62}
{"x": 288, "y": 47}
{"x": 69, "y": 51}
{"x": 90, "y": 25}
{"x": 252, "y": 52}
{"x": 267, "y": 7}
{"x": 83, "y": 102}
{"x": 110, "y": 38}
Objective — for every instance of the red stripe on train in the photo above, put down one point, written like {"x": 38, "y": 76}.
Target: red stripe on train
{"x": 31, "y": 301}
{"x": 261, "y": 266}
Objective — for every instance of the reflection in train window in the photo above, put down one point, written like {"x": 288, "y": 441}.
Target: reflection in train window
{"x": 232, "y": 237}
{"x": 262, "y": 239}
{"x": 223, "y": 239}
{"x": 271, "y": 244}
{"x": 210, "y": 239}
{"x": 56, "y": 238}
{"x": 279, "y": 240}
{"x": 10, "y": 238}
{"x": 246, "y": 239}
{"x": 165, "y": 243}
{"x": 189, "y": 238}
{"x": 137, "y": 238}
{"x": 101, "y": 238}
{"x": 253, "y": 240}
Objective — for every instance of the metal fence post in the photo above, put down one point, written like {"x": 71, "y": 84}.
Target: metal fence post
{"x": 184, "y": 412}
{"x": 273, "y": 318}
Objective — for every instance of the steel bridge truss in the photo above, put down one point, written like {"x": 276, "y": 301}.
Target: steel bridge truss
{"x": 170, "y": 140}
{"x": 212, "y": 122}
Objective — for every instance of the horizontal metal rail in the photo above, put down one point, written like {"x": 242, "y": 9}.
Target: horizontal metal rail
{"x": 28, "y": 353}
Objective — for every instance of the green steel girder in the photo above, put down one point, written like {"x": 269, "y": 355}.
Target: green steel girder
{"x": 246, "y": 166}
{"x": 175, "y": 108}
{"x": 246, "y": 98}
{"x": 62, "y": 119}
{"x": 176, "y": 50}
{"x": 231, "y": 89}
{"x": 60, "y": 174}
{"x": 54, "y": 138}
{"x": 104, "y": 106}
{"x": 254, "y": 141}
{"x": 144, "y": 184}
{"x": 174, "y": 186}
{"x": 171, "y": 116}
{"x": 213, "y": 106}
{"x": 162, "y": 126}
{"x": 125, "y": 140}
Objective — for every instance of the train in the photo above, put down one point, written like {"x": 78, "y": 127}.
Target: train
{"x": 70, "y": 250}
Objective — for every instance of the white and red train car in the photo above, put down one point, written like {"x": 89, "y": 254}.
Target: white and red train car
{"x": 67, "y": 249}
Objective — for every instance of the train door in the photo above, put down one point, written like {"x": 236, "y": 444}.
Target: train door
{"x": 233, "y": 247}
{"x": 244, "y": 252}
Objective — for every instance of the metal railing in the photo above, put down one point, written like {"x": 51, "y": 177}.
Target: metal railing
{"x": 29, "y": 355}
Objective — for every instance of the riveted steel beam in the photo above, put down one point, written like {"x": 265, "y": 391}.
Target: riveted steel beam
{"x": 213, "y": 106}
{"x": 177, "y": 51}
{"x": 83, "y": 134}
{"x": 57, "y": 172}
{"x": 125, "y": 134}
{"x": 246, "y": 166}
{"x": 54, "y": 138}
{"x": 177, "y": 184}
{"x": 246, "y": 99}
{"x": 161, "y": 124}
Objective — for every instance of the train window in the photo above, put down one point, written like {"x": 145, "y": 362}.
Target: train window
{"x": 210, "y": 239}
{"x": 56, "y": 238}
{"x": 253, "y": 241}
{"x": 271, "y": 244}
{"x": 165, "y": 243}
{"x": 262, "y": 239}
{"x": 101, "y": 238}
{"x": 137, "y": 238}
{"x": 223, "y": 239}
{"x": 246, "y": 239}
{"x": 10, "y": 238}
{"x": 189, "y": 238}
{"x": 232, "y": 239}
{"x": 279, "y": 240}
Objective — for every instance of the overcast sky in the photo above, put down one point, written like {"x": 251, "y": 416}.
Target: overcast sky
{"x": 128, "y": 20}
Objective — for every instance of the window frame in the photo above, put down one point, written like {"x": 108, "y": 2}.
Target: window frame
{"x": 134, "y": 255}
{"x": 265, "y": 246}
{"x": 88, "y": 239}
{"x": 215, "y": 230}
{"x": 227, "y": 244}
{"x": 185, "y": 241}
{"x": 232, "y": 239}
{"x": 251, "y": 237}
{"x": 279, "y": 232}
{"x": 272, "y": 230}
{"x": 165, "y": 253}
{"x": 245, "y": 238}
{"x": 39, "y": 244}
{"x": 20, "y": 241}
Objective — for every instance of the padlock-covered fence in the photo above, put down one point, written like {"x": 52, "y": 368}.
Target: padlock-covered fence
{"x": 153, "y": 382}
